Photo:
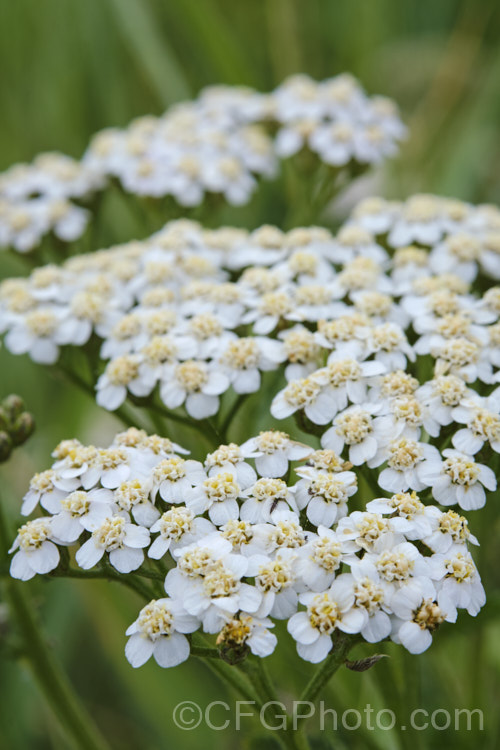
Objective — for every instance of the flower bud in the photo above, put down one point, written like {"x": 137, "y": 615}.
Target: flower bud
{"x": 12, "y": 406}
{"x": 5, "y": 446}
{"x": 22, "y": 428}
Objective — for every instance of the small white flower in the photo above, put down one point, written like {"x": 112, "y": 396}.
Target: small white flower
{"x": 195, "y": 384}
{"x": 273, "y": 450}
{"x": 371, "y": 595}
{"x": 36, "y": 552}
{"x": 302, "y": 352}
{"x": 368, "y": 531}
{"x": 174, "y": 478}
{"x": 397, "y": 566}
{"x": 322, "y": 556}
{"x": 264, "y": 498}
{"x": 482, "y": 420}
{"x": 457, "y": 478}
{"x": 307, "y": 394}
{"x": 110, "y": 467}
{"x": 406, "y": 462}
{"x": 219, "y": 496}
{"x": 230, "y": 459}
{"x": 177, "y": 527}
{"x": 389, "y": 345}
{"x": 268, "y": 310}
{"x": 459, "y": 254}
{"x": 245, "y": 358}
{"x": 122, "y": 540}
{"x": 325, "y": 496}
{"x": 420, "y": 221}
{"x": 421, "y": 615}
{"x": 459, "y": 584}
{"x": 464, "y": 358}
{"x": 47, "y": 488}
{"x": 125, "y": 337}
{"x": 410, "y": 515}
{"x": 208, "y": 333}
{"x": 36, "y": 334}
{"x": 121, "y": 375}
{"x": 408, "y": 415}
{"x": 208, "y": 580}
{"x": 442, "y": 395}
{"x": 245, "y": 630}
{"x": 347, "y": 379}
{"x": 278, "y": 581}
{"x": 447, "y": 529}
{"x": 81, "y": 511}
{"x": 159, "y": 632}
{"x": 133, "y": 497}
{"x": 326, "y": 612}
{"x": 356, "y": 428}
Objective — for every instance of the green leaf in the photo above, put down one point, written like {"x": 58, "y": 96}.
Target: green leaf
{"x": 361, "y": 665}
{"x": 212, "y": 39}
{"x": 152, "y": 50}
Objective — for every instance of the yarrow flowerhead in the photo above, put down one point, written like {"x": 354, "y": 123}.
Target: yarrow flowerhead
{"x": 228, "y": 547}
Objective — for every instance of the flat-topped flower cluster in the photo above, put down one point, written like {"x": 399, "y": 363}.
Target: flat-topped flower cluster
{"x": 463, "y": 238}
{"x": 217, "y": 144}
{"x": 236, "y": 545}
{"x": 374, "y": 343}
{"x": 42, "y": 197}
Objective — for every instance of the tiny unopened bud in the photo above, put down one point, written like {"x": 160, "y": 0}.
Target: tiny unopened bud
{"x": 233, "y": 654}
{"x": 22, "y": 428}
{"x": 13, "y": 406}
{"x": 5, "y": 446}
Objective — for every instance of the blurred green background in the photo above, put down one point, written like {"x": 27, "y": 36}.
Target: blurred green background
{"x": 71, "y": 67}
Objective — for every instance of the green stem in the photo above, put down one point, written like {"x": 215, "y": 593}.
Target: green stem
{"x": 257, "y": 674}
{"x": 290, "y": 736}
{"x": 224, "y": 672}
{"x": 205, "y": 652}
{"x": 305, "y": 424}
{"x": 108, "y": 574}
{"x": 328, "y": 668}
{"x": 232, "y": 412}
{"x": 123, "y": 413}
{"x": 231, "y": 675}
{"x": 53, "y": 682}
{"x": 204, "y": 427}
{"x": 371, "y": 480}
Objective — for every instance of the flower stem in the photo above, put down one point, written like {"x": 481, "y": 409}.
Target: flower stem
{"x": 53, "y": 682}
{"x": 232, "y": 413}
{"x": 224, "y": 671}
{"x": 334, "y": 660}
{"x": 122, "y": 413}
{"x": 204, "y": 427}
{"x": 205, "y": 652}
{"x": 108, "y": 574}
{"x": 289, "y": 734}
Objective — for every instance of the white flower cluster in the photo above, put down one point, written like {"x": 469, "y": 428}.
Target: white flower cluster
{"x": 191, "y": 313}
{"x": 217, "y": 144}
{"x": 39, "y": 198}
{"x": 462, "y": 239}
{"x": 209, "y": 145}
{"x": 335, "y": 120}
{"x": 241, "y": 547}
